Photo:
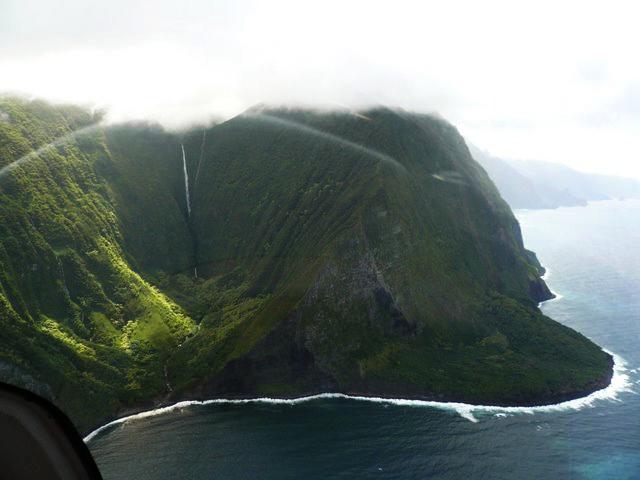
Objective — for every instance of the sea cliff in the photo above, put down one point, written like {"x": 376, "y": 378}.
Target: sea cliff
{"x": 281, "y": 253}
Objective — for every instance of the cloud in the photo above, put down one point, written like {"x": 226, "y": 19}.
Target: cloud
{"x": 510, "y": 76}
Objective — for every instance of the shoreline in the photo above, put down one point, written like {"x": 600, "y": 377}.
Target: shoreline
{"x": 618, "y": 383}
{"x": 555, "y": 295}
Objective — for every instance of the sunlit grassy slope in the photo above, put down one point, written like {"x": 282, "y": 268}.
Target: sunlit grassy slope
{"x": 364, "y": 254}
{"x": 79, "y": 323}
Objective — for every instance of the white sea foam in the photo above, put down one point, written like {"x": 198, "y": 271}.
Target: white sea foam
{"x": 557, "y": 296}
{"x": 620, "y": 383}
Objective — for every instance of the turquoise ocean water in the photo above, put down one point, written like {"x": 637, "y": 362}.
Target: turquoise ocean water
{"x": 593, "y": 257}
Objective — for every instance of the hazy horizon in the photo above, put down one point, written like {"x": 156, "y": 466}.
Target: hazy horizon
{"x": 542, "y": 81}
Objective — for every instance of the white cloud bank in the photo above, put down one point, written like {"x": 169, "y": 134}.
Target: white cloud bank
{"x": 553, "y": 81}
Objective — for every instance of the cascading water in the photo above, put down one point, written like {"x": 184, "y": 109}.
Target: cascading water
{"x": 186, "y": 192}
{"x": 186, "y": 181}
{"x": 64, "y": 280}
{"x": 204, "y": 138}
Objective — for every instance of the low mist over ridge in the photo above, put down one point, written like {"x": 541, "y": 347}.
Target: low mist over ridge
{"x": 569, "y": 96}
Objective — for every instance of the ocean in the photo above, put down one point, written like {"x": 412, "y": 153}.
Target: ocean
{"x": 593, "y": 262}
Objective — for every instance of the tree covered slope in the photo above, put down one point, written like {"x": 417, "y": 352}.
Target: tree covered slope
{"x": 79, "y": 323}
{"x": 321, "y": 252}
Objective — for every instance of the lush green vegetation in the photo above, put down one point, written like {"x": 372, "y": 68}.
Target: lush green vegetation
{"x": 78, "y": 320}
{"x": 333, "y": 252}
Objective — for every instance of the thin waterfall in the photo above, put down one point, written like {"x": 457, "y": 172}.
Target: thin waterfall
{"x": 186, "y": 181}
{"x": 64, "y": 280}
{"x": 204, "y": 138}
{"x": 186, "y": 192}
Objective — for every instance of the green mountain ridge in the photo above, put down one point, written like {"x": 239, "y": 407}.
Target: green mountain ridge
{"x": 535, "y": 184}
{"x": 322, "y": 252}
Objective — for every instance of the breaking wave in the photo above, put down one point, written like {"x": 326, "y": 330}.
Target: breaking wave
{"x": 620, "y": 382}
{"x": 556, "y": 296}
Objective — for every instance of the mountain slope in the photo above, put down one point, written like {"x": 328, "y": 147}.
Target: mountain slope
{"x": 78, "y": 321}
{"x": 317, "y": 251}
{"x": 367, "y": 269}
{"x": 535, "y": 184}
{"x": 589, "y": 186}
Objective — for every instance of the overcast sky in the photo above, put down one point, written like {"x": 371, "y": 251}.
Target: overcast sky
{"x": 556, "y": 81}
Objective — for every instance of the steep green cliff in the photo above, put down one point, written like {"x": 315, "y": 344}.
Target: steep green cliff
{"x": 316, "y": 252}
{"x": 78, "y": 321}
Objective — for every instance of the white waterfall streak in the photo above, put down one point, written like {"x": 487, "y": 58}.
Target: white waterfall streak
{"x": 64, "y": 280}
{"x": 195, "y": 182}
{"x": 186, "y": 180}
{"x": 186, "y": 192}
{"x": 204, "y": 137}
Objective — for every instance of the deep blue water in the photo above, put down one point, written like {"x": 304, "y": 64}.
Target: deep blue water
{"x": 592, "y": 255}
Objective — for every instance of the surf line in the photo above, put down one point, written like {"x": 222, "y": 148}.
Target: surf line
{"x": 556, "y": 296}
{"x": 620, "y": 382}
